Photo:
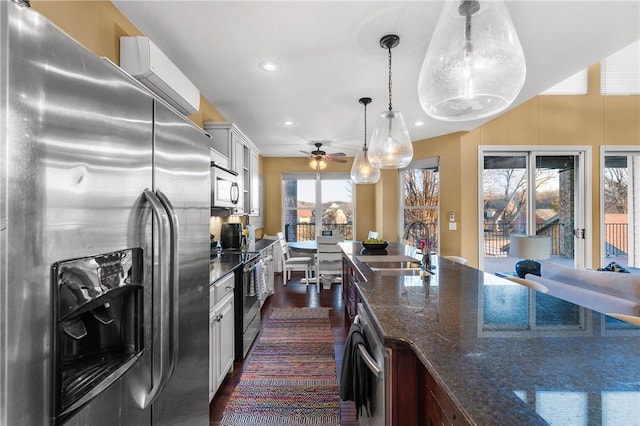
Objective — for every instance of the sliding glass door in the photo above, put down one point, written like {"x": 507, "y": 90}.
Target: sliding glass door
{"x": 316, "y": 204}
{"x": 620, "y": 224}
{"x": 532, "y": 193}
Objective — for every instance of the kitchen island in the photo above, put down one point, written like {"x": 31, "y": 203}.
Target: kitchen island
{"x": 467, "y": 347}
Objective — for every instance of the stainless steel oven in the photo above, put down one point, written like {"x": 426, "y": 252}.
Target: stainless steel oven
{"x": 247, "y": 306}
{"x": 377, "y": 360}
{"x": 224, "y": 186}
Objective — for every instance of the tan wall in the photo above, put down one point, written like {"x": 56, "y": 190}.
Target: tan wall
{"x": 98, "y": 26}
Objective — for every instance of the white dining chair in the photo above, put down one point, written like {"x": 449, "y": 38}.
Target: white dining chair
{"x": 293, "y": 263}
{"x": 328, "y": 260}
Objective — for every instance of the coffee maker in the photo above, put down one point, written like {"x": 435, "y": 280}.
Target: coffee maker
{"x": 231, "y": 235}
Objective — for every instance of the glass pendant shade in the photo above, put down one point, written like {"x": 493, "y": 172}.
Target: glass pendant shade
{"x": 474, "y": 66}
{"x": 390, "y": 146}
{"x": 362, "y": 171}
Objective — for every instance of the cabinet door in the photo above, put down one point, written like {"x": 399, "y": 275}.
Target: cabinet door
{"x": 238, "y": 166}
{"x": 214, "y": 353}
{"x": 220, "y": 139}
{"x": 269, "y": 263}
{"x": 226, "y": 339}
{"x": 350, "y": 291}
{"x": 254, "y": 186}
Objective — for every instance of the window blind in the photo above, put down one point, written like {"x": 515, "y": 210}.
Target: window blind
{"x": 620, "y": 72}
{"x": 574, "y": 85}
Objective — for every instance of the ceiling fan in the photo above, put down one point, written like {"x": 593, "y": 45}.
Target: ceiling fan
{"x": 319, "y": 155}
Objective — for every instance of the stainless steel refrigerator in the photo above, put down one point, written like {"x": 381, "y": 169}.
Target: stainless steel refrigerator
{"x": 104, "y": 241}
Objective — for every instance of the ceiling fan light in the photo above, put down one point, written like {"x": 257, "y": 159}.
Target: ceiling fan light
{"x": 317, "y": 164}
{"x": 390, "y": 146}
{"x": 474, "y": 67}
{"x": 362, "y": 171}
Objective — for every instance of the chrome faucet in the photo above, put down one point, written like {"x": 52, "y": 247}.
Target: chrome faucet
{"x": 407, "y": 230}
{"x": 426, "y": 249}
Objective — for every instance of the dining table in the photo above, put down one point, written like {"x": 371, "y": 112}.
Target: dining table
{"x": 310, "y": 246}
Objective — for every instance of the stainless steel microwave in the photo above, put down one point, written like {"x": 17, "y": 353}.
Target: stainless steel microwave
{"x": 224, "y": 187}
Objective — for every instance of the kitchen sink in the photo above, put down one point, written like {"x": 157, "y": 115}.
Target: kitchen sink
{"x": 394, "y": 265}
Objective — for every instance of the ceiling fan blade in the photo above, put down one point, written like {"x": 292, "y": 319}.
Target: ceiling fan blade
{"x": 337, "y": 154}
{"x": 305, "y": 152}
{"x": 335, "y": 160}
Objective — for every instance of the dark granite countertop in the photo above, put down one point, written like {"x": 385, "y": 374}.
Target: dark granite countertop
{"x": 505, "y": 354}
{"x": 221, "y": 263}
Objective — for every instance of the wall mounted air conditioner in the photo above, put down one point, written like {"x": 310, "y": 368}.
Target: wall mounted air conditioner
{"x": 143, "y": 60}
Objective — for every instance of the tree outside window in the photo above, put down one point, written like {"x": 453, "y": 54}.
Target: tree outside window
{"x": 420, "y": 204}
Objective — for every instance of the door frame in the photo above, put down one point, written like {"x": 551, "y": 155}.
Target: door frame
{"x": 606, "y": 150}
{"x": 583, "y": 215}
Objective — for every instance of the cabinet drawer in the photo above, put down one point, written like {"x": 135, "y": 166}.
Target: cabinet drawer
{"x": 222, "y": 287}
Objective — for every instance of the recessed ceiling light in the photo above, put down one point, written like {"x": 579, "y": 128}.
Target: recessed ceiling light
{"x": 269, "y": 66}
{"x": 287, "y": 123}
{"x": 418, "y": 123}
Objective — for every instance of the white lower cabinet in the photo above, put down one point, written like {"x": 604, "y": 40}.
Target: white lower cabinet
{"x": 221, "y": 336}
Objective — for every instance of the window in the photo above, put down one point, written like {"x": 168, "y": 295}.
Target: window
{"x": 574, "y": 85}
{"x": 310, "y": 199}
{"x": 619, "y": 75}
{"x": 620, "y": 72}
{"x": 621, "y": 207}
{"x": 419, "y": 200}
{"x": 534, "y": 193}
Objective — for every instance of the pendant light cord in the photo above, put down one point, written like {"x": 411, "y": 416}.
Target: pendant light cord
{"x": 468, "y": 8}
{"x": 390, "y": 107}
{"x": 365, "y": 127}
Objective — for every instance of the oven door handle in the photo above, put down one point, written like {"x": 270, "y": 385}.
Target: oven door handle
{"x": 369, "y": 361}
{"x": 160, "y": 369}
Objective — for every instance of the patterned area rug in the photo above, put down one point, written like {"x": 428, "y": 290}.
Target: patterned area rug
{"x": 290, "y": 377}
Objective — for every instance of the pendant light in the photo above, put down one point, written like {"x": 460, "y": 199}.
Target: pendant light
{"x": 474, "y": 66}
{"x": 390, "y": 146}
{"x": 362, "y": 171}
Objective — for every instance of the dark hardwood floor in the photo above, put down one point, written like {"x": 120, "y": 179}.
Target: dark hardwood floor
{"x": 295, "y": 294}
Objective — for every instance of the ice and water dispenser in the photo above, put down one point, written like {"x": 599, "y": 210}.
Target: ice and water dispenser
{"x": 98, "y": 325}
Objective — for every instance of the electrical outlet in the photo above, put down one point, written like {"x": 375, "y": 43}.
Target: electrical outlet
{"x": 452, "y": 216}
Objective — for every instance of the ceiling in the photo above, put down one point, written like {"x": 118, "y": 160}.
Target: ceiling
{"x": 330, "y": 56}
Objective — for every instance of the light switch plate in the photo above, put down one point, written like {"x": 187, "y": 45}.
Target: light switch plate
{"x": 453, "y": 226}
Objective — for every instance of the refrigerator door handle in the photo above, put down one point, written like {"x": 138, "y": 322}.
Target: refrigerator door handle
{"x": 174, "y": 316}
{"x": 159, "y": 372}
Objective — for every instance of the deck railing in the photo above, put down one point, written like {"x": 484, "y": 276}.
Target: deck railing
{"x": 496, "y": 238}
{"x": 307, "y": 231}
{"x": 617, "y": 238}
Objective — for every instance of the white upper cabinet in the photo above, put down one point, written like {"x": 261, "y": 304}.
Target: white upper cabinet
{"x": 243, "y": 156}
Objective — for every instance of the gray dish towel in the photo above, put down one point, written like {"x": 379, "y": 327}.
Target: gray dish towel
{"x": 356, "y": 383}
